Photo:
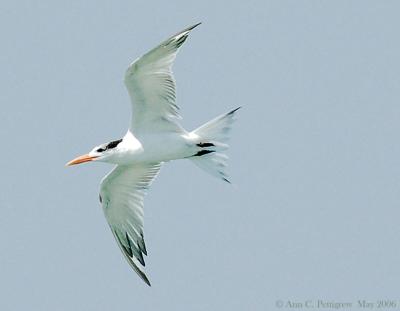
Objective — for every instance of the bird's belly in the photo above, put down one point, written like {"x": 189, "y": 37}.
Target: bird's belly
{"x": 163, "y": 148}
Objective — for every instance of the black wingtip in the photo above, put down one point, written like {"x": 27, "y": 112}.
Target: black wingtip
{"x": 142, "y": 244}
{"x": 189, "y": 28}
{"x": 234, "y": 110}
{"x": 146, "y": 280}
{"x": 192, "y": 27}
{"x": 181, "y": 36}
{"x": 142, "y": 275}
{"x": 227, "y": 180}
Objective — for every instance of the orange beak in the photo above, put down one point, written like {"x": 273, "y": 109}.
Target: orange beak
{"x": 82, "y": 159}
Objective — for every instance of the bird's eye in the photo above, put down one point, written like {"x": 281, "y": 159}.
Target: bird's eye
{"x": 100, "y": 150}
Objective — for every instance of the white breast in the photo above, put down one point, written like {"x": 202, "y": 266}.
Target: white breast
{"x": 163, "y": 147}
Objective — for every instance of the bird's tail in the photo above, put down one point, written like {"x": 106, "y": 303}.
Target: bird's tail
{"x": 213, "y": 138}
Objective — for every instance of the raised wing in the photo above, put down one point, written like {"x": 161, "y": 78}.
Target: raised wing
{"x": 151, "y": 86}
{"x": 121, "y": 194}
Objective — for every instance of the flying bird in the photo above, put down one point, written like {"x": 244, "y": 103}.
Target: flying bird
{"x": 155, "y": 136}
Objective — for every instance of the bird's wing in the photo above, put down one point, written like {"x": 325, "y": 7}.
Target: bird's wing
{"x": 121, "y": 194}
{"x": 151, "y": 86}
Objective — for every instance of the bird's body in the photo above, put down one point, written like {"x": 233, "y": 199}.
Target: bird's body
{"x": 154, "y": 137}
{"x": 152, "y": 148}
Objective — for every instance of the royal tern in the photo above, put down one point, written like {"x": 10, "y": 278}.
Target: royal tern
{"x": 154, "y": 137}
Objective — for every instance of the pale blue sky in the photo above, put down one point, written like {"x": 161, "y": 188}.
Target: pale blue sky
{"x": 315, "y": 158}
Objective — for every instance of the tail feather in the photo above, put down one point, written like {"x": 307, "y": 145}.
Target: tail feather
{"x": 214, "y": 164}
{"x": 217, "y": 129}
{"x": 213, "y": 138}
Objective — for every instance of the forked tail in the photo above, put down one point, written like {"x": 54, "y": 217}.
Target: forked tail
{"x": 213, "y": 138}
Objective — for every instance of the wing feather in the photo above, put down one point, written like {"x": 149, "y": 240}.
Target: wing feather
{"x": 151, "y": 86}
{"x": 122, "y": 192}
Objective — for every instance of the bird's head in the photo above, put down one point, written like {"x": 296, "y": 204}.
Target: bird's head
{"x": 104, "y": 153}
